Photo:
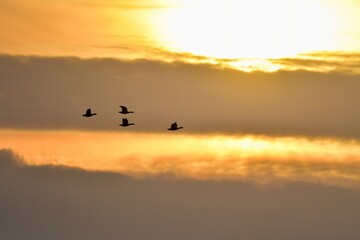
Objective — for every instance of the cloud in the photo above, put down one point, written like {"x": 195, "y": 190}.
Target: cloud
{"x": 261, "y": 159}
{"x": 46, "y": 202}
{"x": 67, "y": 31}
{"x": 341, "y": 62}
{"x": 53, "y": 93}
{"x": 318, "y": 62}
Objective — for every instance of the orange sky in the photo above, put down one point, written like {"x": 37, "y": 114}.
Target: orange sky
{"x": 267, "y": 93}
{"x": 189, "y": 46}
{"x": 152, "y": 29}
{"x": 208, "y": 157}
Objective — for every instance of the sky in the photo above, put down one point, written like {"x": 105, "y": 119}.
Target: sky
{"x": 267, "y": 94}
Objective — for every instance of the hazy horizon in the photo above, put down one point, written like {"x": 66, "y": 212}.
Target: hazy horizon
{"x": 266, "y": 93}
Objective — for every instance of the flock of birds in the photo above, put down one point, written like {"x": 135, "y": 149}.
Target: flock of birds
{"x": 125, "y": 121}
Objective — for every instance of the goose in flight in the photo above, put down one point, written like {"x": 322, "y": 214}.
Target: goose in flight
{"x": 174, "y": 127}
{"x": 88, "y": 113}
{"x": 124, "y": 110}
{"x": 125, "y": 123}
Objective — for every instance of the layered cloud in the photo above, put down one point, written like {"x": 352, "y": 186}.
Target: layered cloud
{"x": 343, "y": 62}
{"x": 52, "y": 93}
{"x": 43, "y": 202}
{"x": 259, "y": 159}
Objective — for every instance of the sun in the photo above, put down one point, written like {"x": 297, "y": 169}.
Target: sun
{"x": 247, "y": 29}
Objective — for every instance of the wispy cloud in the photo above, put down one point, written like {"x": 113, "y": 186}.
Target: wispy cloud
{"x": 256, "y": 158}
{"x": 344, "y": 62}
{"x": 322, "y": 62}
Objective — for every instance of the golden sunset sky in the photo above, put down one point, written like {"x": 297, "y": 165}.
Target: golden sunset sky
{"x": 319, "y": 36}
{"x": 267, "y": 92}
{"x": 242, "y": 34}
{"x": 203, "y": 63}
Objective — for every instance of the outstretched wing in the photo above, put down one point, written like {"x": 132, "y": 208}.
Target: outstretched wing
{"x": 174, "y": 125}
{"x": 88, "y": 111}
{"x": 123, "y": 108}
{"x": 125, "y": 121}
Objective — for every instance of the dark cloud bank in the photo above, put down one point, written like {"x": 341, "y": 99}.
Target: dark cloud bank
{"x": 52, "y": 93}
{"x": 51, "y": 202}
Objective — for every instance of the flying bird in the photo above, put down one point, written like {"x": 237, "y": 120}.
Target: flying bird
{"x": 125, "y": 123}
{"x": 88, "y": 113}
{"x": 174, "y": 127}
{"x": 124, "y": 110}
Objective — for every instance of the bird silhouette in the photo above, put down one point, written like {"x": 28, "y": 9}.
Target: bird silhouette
{"x": 88, "y": 113}
{"x": 124, "y": 110}
{"x": 125, "y": 123}
{"x": 174, "y": 127}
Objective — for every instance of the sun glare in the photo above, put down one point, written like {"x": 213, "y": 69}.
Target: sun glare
{"x": 262, "y": 158}
{"x": 240, "y": 34}
{"x": 247, "y": 29}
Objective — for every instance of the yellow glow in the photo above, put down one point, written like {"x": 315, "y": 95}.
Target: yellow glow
{"x": 259, "y": 158}
{"x": 246, "y": 33}
{"x": 251, "y": 29}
